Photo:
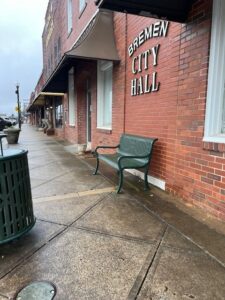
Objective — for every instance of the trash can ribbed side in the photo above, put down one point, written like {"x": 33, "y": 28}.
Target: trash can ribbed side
{"x": 16, "y": 208}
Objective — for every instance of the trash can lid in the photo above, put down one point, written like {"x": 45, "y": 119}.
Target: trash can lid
{"x": 9, "y": 153}
{"x": 37, "y": 290}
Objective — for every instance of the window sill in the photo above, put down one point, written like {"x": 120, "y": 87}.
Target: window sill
{"x": 214, "y": 144}
{"x": 220, "y": 139}
{"x": 104, "y": 130}
{"x": 69, "y": 32}
{"x": 82, "y": 10}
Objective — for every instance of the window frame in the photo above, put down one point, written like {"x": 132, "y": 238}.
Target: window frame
{"x": 82, "y": 5}
{"x": 102, "y": 67}
{"x": 72, "y": 98}
{"x": 216, "y": 77}
{"x": 69, "y": 16}
{"x": 59, "y": 112}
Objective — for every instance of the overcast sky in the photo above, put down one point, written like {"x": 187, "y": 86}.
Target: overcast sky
{"x": 21, "y": 27}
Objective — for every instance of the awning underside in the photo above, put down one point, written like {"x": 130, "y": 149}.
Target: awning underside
{"x": 58, "y": 81}
{"x": 172, "y": 10}
{"x": 40, "y": 100}
{"x": 96, "y": 42}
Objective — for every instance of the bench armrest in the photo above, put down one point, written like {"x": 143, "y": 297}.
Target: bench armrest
{"x": 130, "y": 157}
{"x": 104, "y": 147}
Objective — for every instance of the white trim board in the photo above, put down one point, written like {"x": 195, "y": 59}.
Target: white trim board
{"x": 154, "y": 181}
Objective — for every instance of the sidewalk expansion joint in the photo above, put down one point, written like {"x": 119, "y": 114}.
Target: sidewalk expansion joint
{"x": 198, "y": 252}
{"x": 52, "y": 222}
{"x": 79, "y": 216}
{"x": 52, "y": 179}
{"x": 44, "y": 165}
{"x": 30, "y": 253}
{"x": 123, "y": 237}
{"x": 74, "y": 195}
{"x": 181, "y": 233}
{"x": 101, "y": 199}
{"x": 137, "y": 286}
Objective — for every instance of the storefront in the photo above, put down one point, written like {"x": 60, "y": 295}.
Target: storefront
{"x": 151, "y": 77}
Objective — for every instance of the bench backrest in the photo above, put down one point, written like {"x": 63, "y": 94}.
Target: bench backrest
{"x": 136, "y": 145}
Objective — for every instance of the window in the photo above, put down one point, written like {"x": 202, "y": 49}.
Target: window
{"x": 51, "y": 62}
{"x": 49, "y": 66}
{"x": 69, "y": 16}
{"x": 82, "y": 4}
{"x": 55, "y": 54}
{"x": 104, "y": 101}
{"x": 59, "y": 49}
{"x": 72, "y": 97}
{"x": 215, "y": 106}
{"x": 58, "y": 112}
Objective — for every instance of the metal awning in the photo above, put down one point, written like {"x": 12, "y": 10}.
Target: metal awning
{"x": 41, "y": 97}
{"x": 40, "y": 100}
{"x": 95, "y": 42}
{"x": 172, "y": 10}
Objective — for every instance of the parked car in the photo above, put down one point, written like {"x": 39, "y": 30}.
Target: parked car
{"x": 12, "y": 120}
{"x": 4, "y": 123}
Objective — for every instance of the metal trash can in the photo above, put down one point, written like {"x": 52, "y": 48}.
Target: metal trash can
{"x": 16, "y": 208}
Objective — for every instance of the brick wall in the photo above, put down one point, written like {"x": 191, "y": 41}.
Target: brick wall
{"x": 154, "y": 114}
{"x": 199, "y": 166}
{"x": 70, "y": 132}
{"x": 193, "y": 170}
{"x": 59, "y": 132}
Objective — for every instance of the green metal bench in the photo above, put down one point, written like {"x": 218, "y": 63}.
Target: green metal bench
{"x": 133, "y": 152}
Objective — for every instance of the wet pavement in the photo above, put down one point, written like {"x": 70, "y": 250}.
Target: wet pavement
{"x": 94, "y": 244}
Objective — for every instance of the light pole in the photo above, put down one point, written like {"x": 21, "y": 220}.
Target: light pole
{"x": 18, "y": 105}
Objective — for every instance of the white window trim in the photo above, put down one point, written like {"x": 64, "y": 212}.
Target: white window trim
{"x": 69, "y": 16}
{"x": 82, "y": 5}
{"x": 102, "y": 66}
{"x": 74, "y": 99}
{"x": 216, "y": 76}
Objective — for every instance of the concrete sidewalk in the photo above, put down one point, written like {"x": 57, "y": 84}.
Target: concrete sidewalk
{"x": 94, "y": 244}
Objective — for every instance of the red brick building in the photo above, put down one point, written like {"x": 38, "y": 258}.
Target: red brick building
{"x": 127, "y": 73}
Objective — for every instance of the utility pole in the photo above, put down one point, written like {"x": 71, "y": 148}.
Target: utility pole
{"x": 18, "y": 105}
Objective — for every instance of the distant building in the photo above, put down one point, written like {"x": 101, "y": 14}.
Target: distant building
{"x": 108, "y": 72}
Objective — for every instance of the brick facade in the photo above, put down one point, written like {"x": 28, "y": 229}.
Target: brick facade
{"x": 192, "y": 169}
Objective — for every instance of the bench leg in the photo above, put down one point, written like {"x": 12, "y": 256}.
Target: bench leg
{"x": 97, "y": 165}
{"x": 120, "y": 181}
{"x": 146, "y": 181}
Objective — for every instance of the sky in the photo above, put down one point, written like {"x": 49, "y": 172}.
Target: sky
{"x": 21, "y": 27}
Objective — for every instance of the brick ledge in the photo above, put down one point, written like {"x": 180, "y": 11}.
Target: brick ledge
{"x": 216, "y": 147}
